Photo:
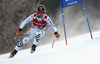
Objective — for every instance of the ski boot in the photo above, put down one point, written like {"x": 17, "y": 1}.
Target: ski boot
{"x": 33, "y": 48}
{"x": 13, "y": 54}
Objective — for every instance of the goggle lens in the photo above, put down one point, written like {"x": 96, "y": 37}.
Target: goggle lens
{"x": 40, "y": 11}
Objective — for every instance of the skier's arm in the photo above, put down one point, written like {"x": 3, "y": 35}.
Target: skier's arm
{"x": 27, "y": 20}
{"x": 50, "y": 23}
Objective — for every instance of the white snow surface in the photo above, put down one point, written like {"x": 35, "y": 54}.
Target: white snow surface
{"x": 80, "y": 50}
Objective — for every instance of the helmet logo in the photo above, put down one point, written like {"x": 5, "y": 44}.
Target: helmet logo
{"x": 40, "y": 8}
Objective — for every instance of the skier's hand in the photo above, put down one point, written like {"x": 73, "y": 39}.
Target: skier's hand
{"x": 56, "y": 35}
{"x": 19, "y": 31}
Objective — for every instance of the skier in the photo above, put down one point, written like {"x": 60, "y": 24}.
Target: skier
{"x": 40, "y": 20}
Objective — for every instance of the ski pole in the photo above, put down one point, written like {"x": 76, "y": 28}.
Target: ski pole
{"x": 53, "y": 42}
{"x": 16, "y": 36}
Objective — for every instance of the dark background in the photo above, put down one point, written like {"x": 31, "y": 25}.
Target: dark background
{"x": 13, "y": 12}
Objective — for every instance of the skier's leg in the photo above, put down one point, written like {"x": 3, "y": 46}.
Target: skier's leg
{"x": 39, "y": 34}
{"x": 36, "y": 40}
{"x": 29, "y": 35}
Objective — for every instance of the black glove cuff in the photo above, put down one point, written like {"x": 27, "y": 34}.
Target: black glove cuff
{"x": 55, "y": 32}
{"x": 19, "y": 29}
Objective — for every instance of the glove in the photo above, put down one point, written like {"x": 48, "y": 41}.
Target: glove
{"x": 56, "y": 35}
{"x": 19, "y": 31}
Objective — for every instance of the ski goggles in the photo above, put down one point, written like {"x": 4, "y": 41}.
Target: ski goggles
{"x": 41, "y": 12}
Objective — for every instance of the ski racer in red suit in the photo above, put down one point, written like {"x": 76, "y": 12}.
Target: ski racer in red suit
{"x": 40, "y": 20}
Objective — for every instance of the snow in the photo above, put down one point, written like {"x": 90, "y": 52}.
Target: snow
{"x": 80, "y": 50}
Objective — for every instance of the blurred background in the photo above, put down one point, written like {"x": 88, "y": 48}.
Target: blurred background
{"x": 13, "y": 12}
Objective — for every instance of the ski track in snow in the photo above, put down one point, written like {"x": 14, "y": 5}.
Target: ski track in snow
{"x": 80, "y": 50}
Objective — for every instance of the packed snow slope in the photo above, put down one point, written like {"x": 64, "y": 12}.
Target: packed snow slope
{"x": 80, "y": 50}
